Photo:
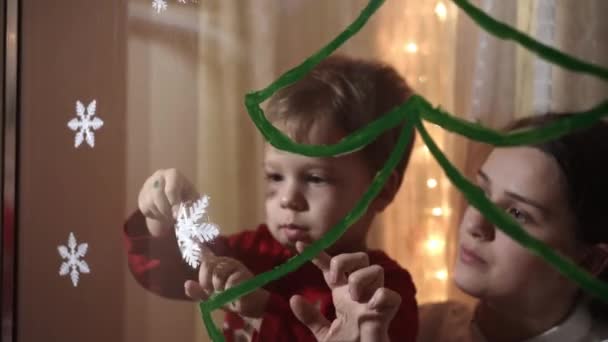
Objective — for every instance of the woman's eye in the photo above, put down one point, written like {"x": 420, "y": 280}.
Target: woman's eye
{"x": 519, "y": 215}
{"x": 484, "y": 188}
{"x": 273, "y": 177}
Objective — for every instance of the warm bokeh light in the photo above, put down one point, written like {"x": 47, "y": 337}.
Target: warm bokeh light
{"x": 431, "y": 183}
{"x": 435, "y": 245}
{"x": 437, "y": 211}
{"x": 410, "y": 47}
{"x": 441, "y": 275}
{"x": 441, "y": 11}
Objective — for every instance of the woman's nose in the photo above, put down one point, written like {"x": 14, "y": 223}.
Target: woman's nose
{"x": 476, "y": 225}
{"x": 292, "y": 198}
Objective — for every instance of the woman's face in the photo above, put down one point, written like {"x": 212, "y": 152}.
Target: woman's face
{"x": 527, "y": 184}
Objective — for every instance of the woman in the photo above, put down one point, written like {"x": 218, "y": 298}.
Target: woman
{"x": 557, "y": 192}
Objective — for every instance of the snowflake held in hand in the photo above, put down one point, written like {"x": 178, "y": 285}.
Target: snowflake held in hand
{"x": 85, "y": 123}
{"x": 73, "y": 253}
{"x": 159, "y": 5}
{"x": 193, "y": 228}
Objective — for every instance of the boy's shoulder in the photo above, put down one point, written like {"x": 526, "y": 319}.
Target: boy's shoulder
{"x": 396, "y": 277}
{"x": 379, "y": 257}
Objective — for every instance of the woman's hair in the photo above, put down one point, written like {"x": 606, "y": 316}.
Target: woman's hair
{"x": 582, "y": 156}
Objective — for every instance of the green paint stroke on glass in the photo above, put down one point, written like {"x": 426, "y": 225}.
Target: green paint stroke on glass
{"x": 479, "y": 133}
{"x": 504, "y": 31}
{"x": 410, "y": 114}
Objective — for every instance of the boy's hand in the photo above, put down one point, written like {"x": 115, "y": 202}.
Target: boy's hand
{"x": 159, "y": 199}
{"x": 221, "y": 273}
{"x": 364, "y": 308}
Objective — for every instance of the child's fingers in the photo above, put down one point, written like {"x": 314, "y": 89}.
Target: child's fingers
{"x": 386, "y": 302}
{"x": 234, "y": 279}
{"x": 207, "y": 253}
{"x": 177, "y": 188}
{"x": 146, "y": 204}
{"x": 205, "y": 272}
{"x": 346, "y": 263}
{"x": 310, "y": 316}
{"x": 188, "y": 192}
{"x": 322, "y": 259}
{"x": 194, "y": 290}
{"x": 222, "y": 271}
{"x": 175, "y": 211}
{"x": 364, "y": 282}
{"x": 163, "y": 207}
{"x": 173, "y": 186}
{"x": 149, "y": 209}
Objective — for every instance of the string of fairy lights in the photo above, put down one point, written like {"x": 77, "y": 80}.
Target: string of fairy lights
{"x": 412, "y": 37}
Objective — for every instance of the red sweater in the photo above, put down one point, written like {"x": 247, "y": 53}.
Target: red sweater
{"x": 157, "y": 265}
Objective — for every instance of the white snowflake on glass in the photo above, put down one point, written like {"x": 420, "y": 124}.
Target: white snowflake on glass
{"x": 193, "y": 228}
{"x": 73, "y": 264}
{"x": 159, "y": 5}
{"x": 85, "y": 123}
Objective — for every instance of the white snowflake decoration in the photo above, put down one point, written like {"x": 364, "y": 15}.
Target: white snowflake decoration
{"x": 73, "y": 253}
{"x": 159, "y": 5}
{"x": 85, "y": 123}
{"x": 193, "y": 228}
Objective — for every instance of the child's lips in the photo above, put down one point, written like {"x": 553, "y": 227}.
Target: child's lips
{"x": 294, "y": 232}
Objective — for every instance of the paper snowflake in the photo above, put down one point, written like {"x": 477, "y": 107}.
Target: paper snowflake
{"x": 85, "y": 123}
{"x": 193, "y": 229}
{"x": 159, "y": 5}
{"x": 73, "y": 253}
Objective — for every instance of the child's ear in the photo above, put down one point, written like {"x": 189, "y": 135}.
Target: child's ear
{"x": 387, "y": 194}
{"x": 595, "y": 261}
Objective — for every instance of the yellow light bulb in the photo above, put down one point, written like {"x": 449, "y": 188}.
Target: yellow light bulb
{"x": 435, "y": 245}
{"x": 441, "y": 275}
{"x": 437, "y": 211}
{"x": 441, "y": 11}
{"x": 410, "y": 47}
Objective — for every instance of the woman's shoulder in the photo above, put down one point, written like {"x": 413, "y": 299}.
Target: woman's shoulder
{"x": 443, "y": 321}
{"x": 448, "y": 308}
{"x": 599, "y": 329}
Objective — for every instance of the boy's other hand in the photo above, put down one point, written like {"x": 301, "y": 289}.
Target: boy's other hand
{"x": 217, "y": 274}
{"x": 364, "y": 308}
{"x": 159, "y": 199}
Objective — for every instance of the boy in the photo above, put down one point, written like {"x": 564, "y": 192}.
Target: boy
{"x": 305, "y": 198}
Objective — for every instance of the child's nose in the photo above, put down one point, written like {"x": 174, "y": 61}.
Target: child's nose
{"x": 293, "y": 199}
{"x": 478, "y": 226}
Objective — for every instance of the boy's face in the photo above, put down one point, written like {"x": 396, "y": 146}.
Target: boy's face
{"x": 306, "y": 197}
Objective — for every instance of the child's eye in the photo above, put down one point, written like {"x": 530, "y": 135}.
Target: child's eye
{"x": 273, "y": 177}
{"x": 519, "y": 215}
{"x": 315, "y": 179}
